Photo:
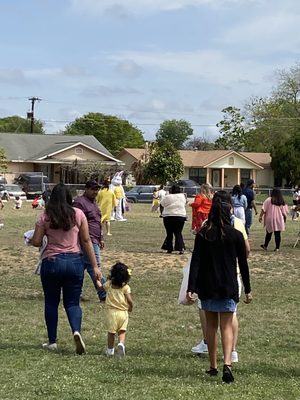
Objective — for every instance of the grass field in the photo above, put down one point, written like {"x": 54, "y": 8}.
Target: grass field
{"x": 159, "y": 363}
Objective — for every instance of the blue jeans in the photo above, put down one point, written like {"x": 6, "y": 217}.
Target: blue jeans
{"x": 248, "y": 218}
{"x": 87, "y": 265}
{"x": 62, "y": 272}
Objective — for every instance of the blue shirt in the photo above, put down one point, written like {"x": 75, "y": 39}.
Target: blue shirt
{"x": 250, "y": 195}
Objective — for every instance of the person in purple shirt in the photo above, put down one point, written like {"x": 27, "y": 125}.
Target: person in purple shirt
{"x": 87, "y": 203}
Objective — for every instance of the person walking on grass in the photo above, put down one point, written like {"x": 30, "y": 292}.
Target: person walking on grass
{"x": 106, "y": 201}
{"x": 201, "y": 206}
{"x": 274, "y": 212}
{"x": 87, "y": 203}
{"x": 239, "y": 202}
{"x": 250, "y": 196}
{"x": 174, "y": 217}
{"x": 117, "y": 305}
{"x": 238, "y": 224}
{"x": 213, "y": 276}
{"x": 62, "y": 268}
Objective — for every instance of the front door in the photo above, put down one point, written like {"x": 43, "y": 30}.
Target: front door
{"x": 216, "y": 178}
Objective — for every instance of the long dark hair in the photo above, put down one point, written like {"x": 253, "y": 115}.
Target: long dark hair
{"x": 59, "y": 208}
{"x": 218, "y": 218}
{"x": 237, "y": 191}
{"x": 277, "y": 198}
{"x": 119, "y": 274}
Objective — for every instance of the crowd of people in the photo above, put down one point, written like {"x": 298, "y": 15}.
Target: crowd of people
{"x": 221, "y": 224}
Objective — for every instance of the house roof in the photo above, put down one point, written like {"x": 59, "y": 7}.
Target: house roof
{"x": 28, "y": 147}
{"x": 198, "y": 158}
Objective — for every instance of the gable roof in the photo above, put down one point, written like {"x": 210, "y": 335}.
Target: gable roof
{"x": 28, "y": 147}
{"x": 201, "y": 158}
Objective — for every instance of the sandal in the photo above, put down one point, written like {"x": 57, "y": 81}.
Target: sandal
{"x": 212, "y": 371}
{"x": 227, "y": 374}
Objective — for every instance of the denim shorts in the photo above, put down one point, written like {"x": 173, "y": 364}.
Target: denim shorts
{"x": 219, "y": 305}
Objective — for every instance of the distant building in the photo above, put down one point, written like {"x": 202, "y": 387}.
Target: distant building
{"x": 53, "y": 155}
{"x": 221, "y": 168}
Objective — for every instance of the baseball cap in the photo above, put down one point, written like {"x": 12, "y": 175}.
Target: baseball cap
{"x": 92, "y": 184}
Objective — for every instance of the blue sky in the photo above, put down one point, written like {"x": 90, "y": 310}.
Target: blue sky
{"x": 143, "y": 60}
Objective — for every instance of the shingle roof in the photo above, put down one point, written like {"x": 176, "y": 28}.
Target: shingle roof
{"x": 198, "y": 159}
{"x": 23, "y": 146}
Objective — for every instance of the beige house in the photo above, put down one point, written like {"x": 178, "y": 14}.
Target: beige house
{"x": 53, "y": 155}
{"x": 221, "y": 168}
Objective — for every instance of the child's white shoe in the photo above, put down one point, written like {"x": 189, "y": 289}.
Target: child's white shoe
{"x": 121, "y": 349}
{"x": 110, "y": 352}
{"x": 49, "y": 346}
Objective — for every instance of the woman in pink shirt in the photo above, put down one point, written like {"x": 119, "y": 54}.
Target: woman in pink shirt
{"x": 62, "y": 267}
{"x": 274, "y": 211}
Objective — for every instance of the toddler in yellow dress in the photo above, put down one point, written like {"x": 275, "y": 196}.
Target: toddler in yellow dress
{"x": 117, "y": 305}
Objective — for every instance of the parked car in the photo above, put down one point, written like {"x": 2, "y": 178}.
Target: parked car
{"x": 12, "y": 191}
{"x": 141, "y": 193}
{"x": 32, "y": 183}
{"x": 187, "y": 186}
{"x": 3, "y": 180}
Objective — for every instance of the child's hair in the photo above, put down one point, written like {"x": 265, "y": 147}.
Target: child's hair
{"x": 119, "y": 274}
{"x": 17, "y": 198}
{"x": 237, "y": 191}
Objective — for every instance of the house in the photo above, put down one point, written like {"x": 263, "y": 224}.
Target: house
{"x": 53, "y": 155}
{"x": 221, "y": 168}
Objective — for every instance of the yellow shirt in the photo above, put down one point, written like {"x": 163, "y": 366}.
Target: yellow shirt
{"x": 115, "y": 297}
{"x": 239, "y": 225}
{"x": 118, "y": 192}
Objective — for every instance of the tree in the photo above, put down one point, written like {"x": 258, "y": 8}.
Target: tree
{"x": 232, "y": 132}
{"x": 175, "y": 132}
{"x": 114, "y": 133}
{"x": 16, "y": 124}
{"x": 199, "y": 143}
{"x": 3, "y": 160}
{"x": 285, "y": 161}
{"x": 165, "y": 164}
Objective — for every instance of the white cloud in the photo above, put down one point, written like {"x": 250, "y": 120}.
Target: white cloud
{"x": 93, "y": 7}
{"x": 14, "y": 77}
{"x": 129, "y": 69}
{"x": 104, "y": 91}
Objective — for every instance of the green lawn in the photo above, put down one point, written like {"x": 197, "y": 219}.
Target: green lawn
{"x": 159, "y": 363}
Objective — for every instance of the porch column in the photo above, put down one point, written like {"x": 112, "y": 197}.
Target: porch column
{"x": 254, "y": 175}
{"x": 208, "y": 175}
{"x": 222, "y": 178}
{"x": 238, "y": 176}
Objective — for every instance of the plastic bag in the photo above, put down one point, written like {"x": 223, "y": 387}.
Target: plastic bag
{"x": 183, "y": 288}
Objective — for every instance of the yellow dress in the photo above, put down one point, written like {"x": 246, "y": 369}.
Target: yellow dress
{"x": 106, "y": 201}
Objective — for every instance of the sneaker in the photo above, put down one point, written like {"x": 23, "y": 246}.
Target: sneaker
{"x": 201, "y": 348}
{"x": 49, "y": 346}
{"x": 121, "y": 349}
{"x": 110, "y": 352}
{"x": 263, "y": 247}
{"x": 234, "y": 357}
{"x": 79, "y": 343}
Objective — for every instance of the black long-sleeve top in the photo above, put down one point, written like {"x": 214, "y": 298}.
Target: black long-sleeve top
{"x": 213, "y": 270}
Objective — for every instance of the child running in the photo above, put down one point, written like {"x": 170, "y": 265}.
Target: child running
{"x": 118, "y": 304}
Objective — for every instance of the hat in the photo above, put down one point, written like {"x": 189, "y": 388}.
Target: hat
{"x": 92, "y": 184}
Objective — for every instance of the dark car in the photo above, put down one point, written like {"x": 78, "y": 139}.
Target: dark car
{"x": 187, "y": 186}
{"x": 32, "y": 183}
{"x": 141, "y": 193}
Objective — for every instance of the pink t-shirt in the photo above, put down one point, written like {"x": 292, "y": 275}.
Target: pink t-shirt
{"x": 274, "y": 216}
{"x": 60, "y": 241}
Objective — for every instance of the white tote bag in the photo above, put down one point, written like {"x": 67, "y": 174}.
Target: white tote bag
{"x": 184, "y": 284}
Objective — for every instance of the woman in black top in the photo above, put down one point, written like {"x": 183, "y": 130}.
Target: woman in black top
{"x": 213, "y": 276}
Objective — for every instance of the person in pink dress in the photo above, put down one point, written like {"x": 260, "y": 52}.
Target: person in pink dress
{"x": 274, "y": 212}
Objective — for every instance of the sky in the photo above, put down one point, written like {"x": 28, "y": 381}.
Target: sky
{"x": 143, "y": 60}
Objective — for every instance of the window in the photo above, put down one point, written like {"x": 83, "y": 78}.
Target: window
{"x": 245, "y": 175}
{"x": 231, "y": 161}
{"x": 198, "y": 175}
{"x": 78, "y": 150}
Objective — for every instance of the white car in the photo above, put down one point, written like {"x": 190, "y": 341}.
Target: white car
{"x": 12, "y": 191}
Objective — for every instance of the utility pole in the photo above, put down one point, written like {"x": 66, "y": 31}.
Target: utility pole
{"x": 30, "y": 114}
